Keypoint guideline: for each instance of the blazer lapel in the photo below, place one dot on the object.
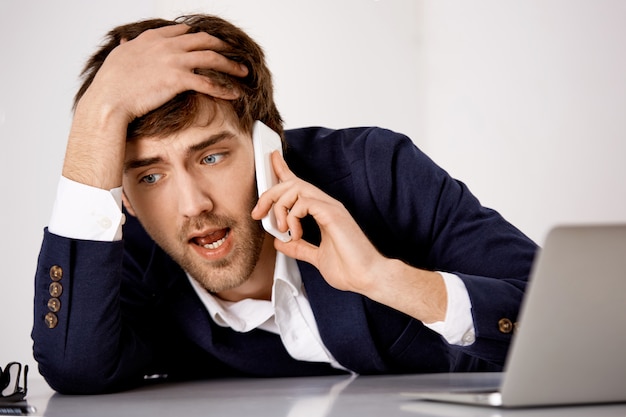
(342, 322)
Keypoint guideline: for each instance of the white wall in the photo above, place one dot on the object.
(526, 102)
(523, 100)
(43, 47)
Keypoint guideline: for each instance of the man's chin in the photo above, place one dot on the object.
(216, 282)
(216, 276)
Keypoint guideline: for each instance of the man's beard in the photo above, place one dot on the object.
(225, 273)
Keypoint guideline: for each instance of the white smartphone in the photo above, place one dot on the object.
(266, 141)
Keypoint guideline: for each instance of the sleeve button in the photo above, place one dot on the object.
(105, 223)
(51, 320)
(56, 273)
(468, 338)
(505, 326)
(55, 289)
(54, 305)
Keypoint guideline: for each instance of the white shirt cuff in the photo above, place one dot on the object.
(88, 213)
(458, 327)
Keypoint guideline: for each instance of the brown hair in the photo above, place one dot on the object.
(256, 101)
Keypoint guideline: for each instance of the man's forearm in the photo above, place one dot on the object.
(95, 149)
(418, 293)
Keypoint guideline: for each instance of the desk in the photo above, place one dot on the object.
(286, 397)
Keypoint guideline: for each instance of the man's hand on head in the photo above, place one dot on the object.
(138, 76)
(146, 72)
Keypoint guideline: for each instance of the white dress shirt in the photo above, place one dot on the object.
(288, 314)
(89, 213)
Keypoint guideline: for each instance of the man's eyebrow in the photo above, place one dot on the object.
(140, 163)
(212, 140)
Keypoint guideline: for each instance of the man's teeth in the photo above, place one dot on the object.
(215, 244)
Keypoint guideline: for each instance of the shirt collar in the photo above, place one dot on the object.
(286, 270)
(248, 314)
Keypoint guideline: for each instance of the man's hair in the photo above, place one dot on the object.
(256, 101)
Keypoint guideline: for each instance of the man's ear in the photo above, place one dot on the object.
(129, 207)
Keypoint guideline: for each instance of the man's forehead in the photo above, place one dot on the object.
(190, 109)
(193, 138)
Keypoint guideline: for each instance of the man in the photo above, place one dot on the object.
(393, 266)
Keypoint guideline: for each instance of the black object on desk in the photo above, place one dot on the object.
(12, 399)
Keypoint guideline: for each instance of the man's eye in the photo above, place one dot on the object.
(151, 178)
(213, 158)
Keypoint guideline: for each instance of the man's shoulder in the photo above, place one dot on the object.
(323, 138)
(315, 152)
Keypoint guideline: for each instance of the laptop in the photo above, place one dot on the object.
(570, 345)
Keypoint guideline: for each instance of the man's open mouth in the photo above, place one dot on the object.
(213, 240)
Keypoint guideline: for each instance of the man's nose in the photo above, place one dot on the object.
(193, 197)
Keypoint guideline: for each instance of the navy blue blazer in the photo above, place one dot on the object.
(126, 310)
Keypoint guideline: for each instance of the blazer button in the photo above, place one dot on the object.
(505, 325)
(54, 305)
(55, 289)
(56, 273)
(51, 320)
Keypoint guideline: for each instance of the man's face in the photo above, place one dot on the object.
(193, 193)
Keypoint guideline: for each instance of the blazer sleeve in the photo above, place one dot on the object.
(95, 321)
(434, 222)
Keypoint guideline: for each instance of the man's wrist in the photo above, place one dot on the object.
(458, 326)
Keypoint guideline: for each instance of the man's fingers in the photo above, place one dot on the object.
(298, 249)
(169, 31)
(281, 169)
(205, 85)
(200, 49)
(207, 59)
(198, 41)
(206, 49)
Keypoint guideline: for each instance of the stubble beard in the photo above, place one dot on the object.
(222, 274)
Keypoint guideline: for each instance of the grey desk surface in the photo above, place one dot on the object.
(362, 396)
